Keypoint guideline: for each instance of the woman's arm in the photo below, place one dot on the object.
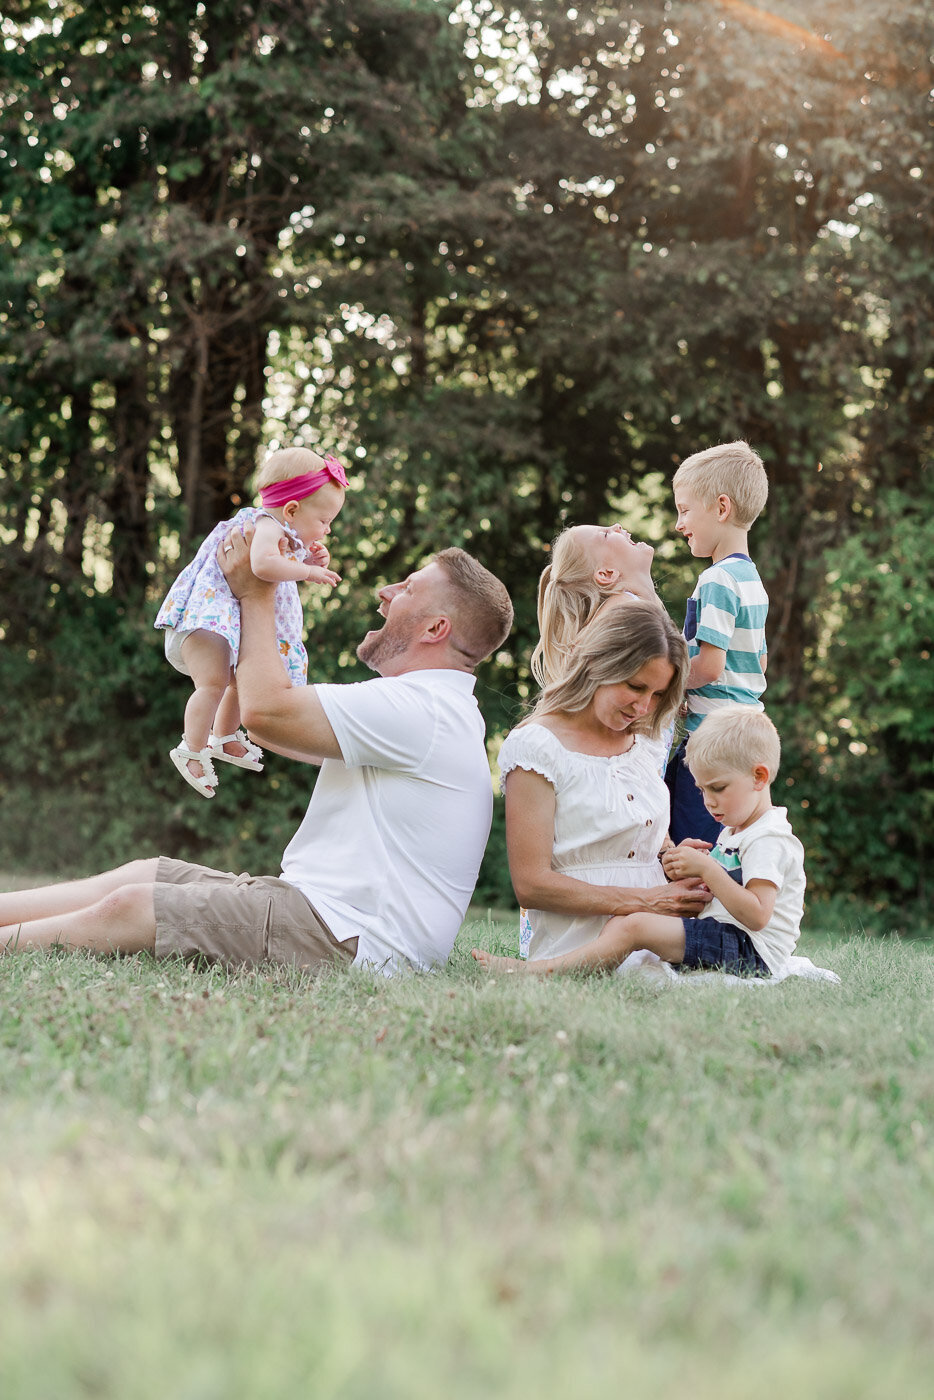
(269, 563)
(530, 836)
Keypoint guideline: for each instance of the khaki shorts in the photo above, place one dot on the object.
(240, 920)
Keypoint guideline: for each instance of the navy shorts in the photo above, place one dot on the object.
(711, 943)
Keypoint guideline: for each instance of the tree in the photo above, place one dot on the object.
(514, 263)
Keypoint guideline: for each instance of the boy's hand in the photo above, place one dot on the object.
(318, 575)
(686, 860)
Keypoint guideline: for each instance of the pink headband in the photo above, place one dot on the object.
(296, 488)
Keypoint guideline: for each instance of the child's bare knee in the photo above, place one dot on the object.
(633, 930)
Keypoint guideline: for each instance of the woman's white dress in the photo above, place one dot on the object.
(611, 817)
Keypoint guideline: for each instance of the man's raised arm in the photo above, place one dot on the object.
(288, 719)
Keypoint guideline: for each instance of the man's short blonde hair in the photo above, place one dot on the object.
(731, 469)
(734, 739)
(480, 607)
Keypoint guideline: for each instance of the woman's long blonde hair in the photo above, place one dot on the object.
(611, 649)
(568, 597)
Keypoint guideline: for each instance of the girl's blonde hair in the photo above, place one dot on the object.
(612, 649)
(568, 597)
(287, 462)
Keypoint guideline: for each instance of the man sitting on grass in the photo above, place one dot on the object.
(383, 865)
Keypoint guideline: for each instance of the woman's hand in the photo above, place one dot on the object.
(684, 899)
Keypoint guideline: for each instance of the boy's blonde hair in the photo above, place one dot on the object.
(731, 469)
(612, 649)
(568, 597)
(734, 739)
(287, 462)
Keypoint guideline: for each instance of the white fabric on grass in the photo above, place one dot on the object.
(649, 968)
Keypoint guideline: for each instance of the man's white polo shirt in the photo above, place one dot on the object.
(390, 847)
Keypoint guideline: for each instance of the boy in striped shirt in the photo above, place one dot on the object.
(718, 495)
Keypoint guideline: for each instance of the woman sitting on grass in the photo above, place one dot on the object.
(586, 807)
(592, 568)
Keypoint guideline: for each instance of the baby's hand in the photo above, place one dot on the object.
(318, 553)
(318, 575)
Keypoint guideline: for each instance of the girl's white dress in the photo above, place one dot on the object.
(201, 598)
(611, 817)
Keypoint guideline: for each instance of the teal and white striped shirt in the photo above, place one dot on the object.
(728, 609)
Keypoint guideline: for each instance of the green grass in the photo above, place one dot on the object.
(462, 1186)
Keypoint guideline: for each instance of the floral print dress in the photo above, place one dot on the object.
(200, 598)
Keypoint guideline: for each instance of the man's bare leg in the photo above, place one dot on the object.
(22, 906)
(107, 913)
(123, 921)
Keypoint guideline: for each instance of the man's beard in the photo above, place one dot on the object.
(377, 648)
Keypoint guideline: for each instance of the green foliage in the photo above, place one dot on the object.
(88, 783)
(867, 776)
(494, 888)
(513, 267)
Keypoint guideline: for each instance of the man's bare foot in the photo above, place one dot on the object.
(492, 963)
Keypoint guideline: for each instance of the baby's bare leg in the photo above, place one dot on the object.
(227, 719)
(207, 656)
(662, 934)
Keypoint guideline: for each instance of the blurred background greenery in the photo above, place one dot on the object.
(511, 264)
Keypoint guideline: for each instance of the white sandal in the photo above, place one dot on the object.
(252, 759)
(183, 755)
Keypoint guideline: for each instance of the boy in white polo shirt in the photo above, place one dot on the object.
(719, 493)
(756, 869)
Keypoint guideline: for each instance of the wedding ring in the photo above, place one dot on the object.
(228, 549)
